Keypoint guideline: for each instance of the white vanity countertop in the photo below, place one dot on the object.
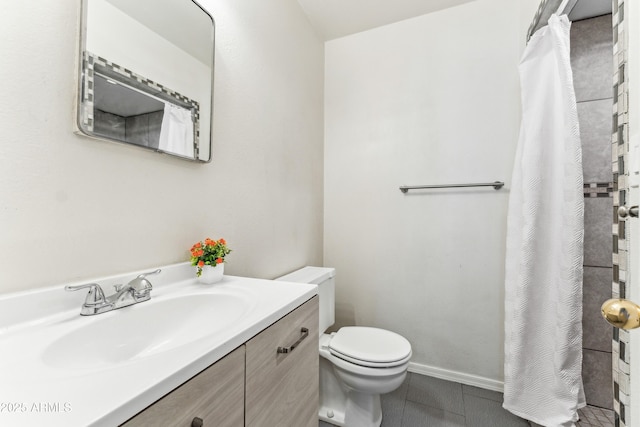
(38, 384)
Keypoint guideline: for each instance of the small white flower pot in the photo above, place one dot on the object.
(211, 275)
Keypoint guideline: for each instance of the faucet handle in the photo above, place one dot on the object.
(141, 286)
(95, 297)
(143, 275)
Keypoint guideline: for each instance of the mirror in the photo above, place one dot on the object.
(146, 75)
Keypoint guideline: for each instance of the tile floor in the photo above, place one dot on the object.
(596, 417)
(424, 401)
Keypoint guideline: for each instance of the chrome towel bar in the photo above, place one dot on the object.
(496, 185)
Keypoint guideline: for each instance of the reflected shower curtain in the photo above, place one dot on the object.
(176, 131)
(545, 229)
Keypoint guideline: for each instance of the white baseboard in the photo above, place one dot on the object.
(459, 377)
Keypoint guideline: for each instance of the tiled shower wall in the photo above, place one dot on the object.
(591, 60)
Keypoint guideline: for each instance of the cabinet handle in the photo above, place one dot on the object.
(197, 422)
(285, 350)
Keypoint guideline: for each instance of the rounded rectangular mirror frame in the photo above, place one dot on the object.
(194, 145)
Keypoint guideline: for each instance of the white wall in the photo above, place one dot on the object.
(72, 208)
(433, 99)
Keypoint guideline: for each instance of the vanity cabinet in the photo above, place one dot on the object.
(215, 397)
(282, 387)
(270, 381)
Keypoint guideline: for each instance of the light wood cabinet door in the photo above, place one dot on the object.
(215, 396)
(282, 388)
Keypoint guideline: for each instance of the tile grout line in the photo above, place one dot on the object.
(404, 400)
(464, 404)
(599, 351)
(593, 100)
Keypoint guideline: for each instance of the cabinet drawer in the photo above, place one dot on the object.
(215, 396)
(282, 388)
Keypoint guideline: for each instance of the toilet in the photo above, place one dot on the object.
(357, 363)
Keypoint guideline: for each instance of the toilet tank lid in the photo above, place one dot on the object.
(312, 275)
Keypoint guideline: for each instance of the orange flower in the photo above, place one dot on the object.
(200, 253)
(201, 264)
(222, 241)
(208, 241)
(219, 261)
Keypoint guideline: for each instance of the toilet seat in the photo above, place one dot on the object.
(370, 347)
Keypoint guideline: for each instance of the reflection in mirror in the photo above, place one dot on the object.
(146, 75)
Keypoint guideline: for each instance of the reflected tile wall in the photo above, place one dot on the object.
(144, 129)
(109, 125)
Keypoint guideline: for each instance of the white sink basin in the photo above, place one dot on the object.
(144, 329)
(108, 367)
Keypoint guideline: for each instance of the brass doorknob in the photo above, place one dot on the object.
(621, 313)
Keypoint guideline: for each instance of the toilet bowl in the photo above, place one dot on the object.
(357, 363)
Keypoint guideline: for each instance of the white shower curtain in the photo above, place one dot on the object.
(545, 229)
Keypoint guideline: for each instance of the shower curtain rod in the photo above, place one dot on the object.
(496, 185)
(548, 8)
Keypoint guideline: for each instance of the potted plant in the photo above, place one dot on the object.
(208, 256)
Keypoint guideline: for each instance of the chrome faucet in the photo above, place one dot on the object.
(137, 290)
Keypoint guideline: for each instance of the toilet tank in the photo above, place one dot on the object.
(324, 277)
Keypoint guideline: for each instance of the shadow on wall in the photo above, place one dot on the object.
(345, 316)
